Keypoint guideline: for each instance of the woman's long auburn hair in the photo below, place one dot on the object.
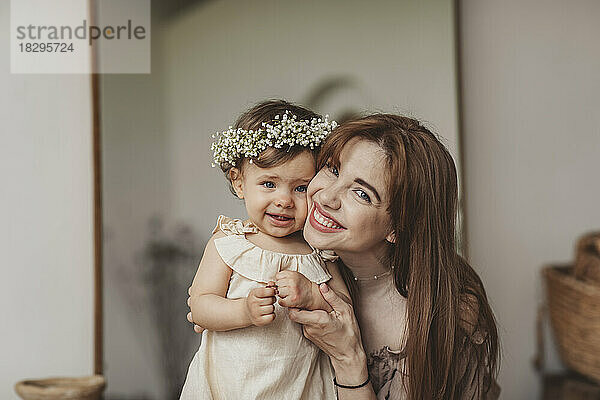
(446, 302)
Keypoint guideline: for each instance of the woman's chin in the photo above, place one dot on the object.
(311, 236)
(317, 239)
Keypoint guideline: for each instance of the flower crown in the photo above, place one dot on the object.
(233, 144)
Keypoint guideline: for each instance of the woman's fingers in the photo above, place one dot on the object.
(189, 317)
(189, 302)
(305, 317)
(336, 302)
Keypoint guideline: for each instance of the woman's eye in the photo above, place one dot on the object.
(268, 185)
(363, 195)
(333, 169)
(301, 189)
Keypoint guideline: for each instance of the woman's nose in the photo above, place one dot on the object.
(329, 196)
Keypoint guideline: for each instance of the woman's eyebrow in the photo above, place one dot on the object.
(371, 188)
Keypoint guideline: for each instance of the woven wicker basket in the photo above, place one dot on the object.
(84, 388)
(574, 308)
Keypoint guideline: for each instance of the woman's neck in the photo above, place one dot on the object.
(365, 265)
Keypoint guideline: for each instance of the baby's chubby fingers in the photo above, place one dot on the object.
(197, 328)
(265, 301)
(269, 309)
(263, 292)
(283, 291)
(281, 275)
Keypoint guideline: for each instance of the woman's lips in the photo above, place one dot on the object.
(280, 220)
(322, 222)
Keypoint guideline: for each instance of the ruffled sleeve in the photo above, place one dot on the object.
(230, 226)
(328, 255)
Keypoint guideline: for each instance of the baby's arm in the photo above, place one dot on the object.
(212, 310)
(295, 290)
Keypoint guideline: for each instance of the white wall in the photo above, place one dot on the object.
(532, 154)
(46, 290)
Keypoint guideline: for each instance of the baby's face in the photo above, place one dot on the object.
(276, 197)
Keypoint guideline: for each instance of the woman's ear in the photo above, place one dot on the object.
(391, 237)
(235, 175)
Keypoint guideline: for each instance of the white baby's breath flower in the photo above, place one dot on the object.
(233, 144)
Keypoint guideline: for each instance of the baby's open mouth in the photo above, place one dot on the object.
(280, 217)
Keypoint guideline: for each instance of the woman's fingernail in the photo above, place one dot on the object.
(324, 288)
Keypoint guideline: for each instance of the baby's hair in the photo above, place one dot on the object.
(265, 112)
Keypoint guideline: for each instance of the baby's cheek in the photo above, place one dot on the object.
(303, 212)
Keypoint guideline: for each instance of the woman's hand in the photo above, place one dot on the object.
(337, 334)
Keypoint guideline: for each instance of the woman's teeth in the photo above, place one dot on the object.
(324, 220)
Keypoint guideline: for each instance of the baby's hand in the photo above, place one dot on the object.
(294, 289)
(259, 305)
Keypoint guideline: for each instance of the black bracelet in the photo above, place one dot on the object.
(352, 387)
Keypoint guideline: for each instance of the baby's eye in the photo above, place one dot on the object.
(301, 189)
(268, 185)
(363, 195)
(332, 169)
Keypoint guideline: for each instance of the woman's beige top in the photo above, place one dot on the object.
(274, 361)
(381, 314)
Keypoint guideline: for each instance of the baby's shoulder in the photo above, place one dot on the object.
(217, 235)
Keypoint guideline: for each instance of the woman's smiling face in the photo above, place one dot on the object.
(348, 202)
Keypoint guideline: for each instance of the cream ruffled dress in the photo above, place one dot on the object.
(274, 361)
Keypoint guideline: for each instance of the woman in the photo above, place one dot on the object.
(426, 328)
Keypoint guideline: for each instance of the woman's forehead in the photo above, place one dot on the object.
(365, 160)
(362, 154)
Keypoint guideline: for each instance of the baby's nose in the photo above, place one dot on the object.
(284, 200)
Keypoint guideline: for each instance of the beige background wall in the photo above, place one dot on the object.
(531, 95)
(46, 212)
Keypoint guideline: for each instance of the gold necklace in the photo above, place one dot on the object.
(375, 277)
